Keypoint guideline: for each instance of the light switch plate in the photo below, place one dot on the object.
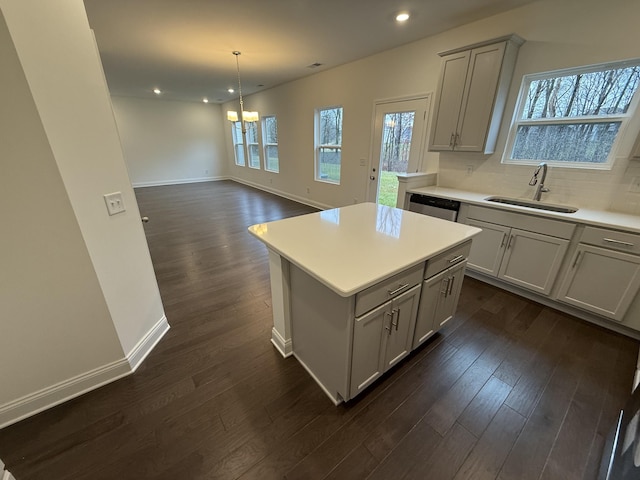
(114, 202)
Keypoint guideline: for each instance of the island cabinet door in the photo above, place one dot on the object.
(404, 310)
(381, 338)
(369, 340)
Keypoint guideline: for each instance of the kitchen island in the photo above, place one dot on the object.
(346, 288)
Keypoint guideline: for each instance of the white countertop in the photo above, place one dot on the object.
(598, 218)
(351, 248)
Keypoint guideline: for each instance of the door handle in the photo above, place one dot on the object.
(451, 285)
(397, 313)
(388, 328)
(445, 283)
(451, 140)
(510, 241)
(504, 238)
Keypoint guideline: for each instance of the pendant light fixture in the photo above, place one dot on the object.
(244, 115)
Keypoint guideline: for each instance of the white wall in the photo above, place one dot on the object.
(168, 142)
(558, 34)
(81, 290)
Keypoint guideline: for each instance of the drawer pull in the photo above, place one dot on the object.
(397, 290)
(618, 242)
(456, 259)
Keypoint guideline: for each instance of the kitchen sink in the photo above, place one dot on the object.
(532, 204)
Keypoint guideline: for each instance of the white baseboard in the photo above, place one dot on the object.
(177, 181)
(285, 347)
(53, 395)
(148, 342)
(288, 196)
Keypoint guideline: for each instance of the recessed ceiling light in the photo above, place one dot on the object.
(157, 91)
(402, 17)
(205, 100)
(231, 90)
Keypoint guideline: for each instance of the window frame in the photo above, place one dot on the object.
(234, 136)
(625, 118)
(266, 144)
(318, 146)
(256, 143)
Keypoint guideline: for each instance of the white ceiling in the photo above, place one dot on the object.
(184, 47)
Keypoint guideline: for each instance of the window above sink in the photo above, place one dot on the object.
(573, 117)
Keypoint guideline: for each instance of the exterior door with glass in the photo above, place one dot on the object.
(398, 143)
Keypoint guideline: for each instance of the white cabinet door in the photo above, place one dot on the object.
(404, 310)
(601, 281)
(532, 260)
(479, 97)
(382, 338)
(369, 341)
(438, 302)
(447, 107)
(488, 247)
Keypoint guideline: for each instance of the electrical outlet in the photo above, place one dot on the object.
(115, 203)
(469, 169)
(635, 185)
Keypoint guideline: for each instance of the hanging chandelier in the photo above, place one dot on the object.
(245, 116)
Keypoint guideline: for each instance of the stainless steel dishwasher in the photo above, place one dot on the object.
(434, 206)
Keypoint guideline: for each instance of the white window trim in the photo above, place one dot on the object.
(235, 150)
(265, 144)
(318, 146)
(247, 150)
(625, 119)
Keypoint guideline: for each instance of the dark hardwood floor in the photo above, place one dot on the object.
(509, 389)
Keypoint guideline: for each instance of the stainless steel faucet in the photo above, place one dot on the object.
(541, 188)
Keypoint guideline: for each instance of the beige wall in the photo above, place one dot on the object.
(167, 142)
(80, 292)
(558, 34)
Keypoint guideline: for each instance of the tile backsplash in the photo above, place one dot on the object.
(594, 189)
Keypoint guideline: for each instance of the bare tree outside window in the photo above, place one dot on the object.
(573, 117)
(238, 146)
(270, 141)
(329, 144)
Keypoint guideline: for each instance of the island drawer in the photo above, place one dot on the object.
(603, 237)
(447, 259)
(387, 289)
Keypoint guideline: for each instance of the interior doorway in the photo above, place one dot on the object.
(398, 144)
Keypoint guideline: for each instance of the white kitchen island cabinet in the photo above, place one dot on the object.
(346, 286)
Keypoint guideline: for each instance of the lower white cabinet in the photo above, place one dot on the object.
(382, 337)
(601, 280)
(438, 302)
(528, 259)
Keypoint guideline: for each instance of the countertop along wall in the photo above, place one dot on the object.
(558, 34)
(168, 142)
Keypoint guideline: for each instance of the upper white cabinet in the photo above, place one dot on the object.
(472, 91)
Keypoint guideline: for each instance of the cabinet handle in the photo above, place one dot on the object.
(456, 259)
(451, 140)
(397, 314)
(577, 260)
(504, 239)
(388, 328)
(451, 285)
(510, 241)
(444, 290)
(456, 140)
(397, 290)
(618, 242)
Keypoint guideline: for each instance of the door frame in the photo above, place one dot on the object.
(423, 143)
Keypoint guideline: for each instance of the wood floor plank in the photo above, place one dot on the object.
(479, 413)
